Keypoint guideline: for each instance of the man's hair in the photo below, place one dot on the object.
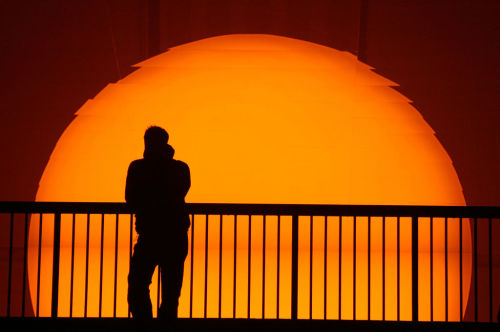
(155, 136)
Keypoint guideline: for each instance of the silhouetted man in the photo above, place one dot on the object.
(155, 190)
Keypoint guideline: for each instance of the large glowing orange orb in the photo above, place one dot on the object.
(259, 119)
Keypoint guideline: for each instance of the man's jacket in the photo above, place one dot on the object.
(155, 190)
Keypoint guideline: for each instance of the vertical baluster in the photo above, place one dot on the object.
(101, 265)
(39, 267)
(354, 268)
(131, 232)
(278, 263)
(369, 266)
(461, 270)
(490, 269)
(55, 264)
(249, 262)
(220, 265)
(25, 265)
(414, 268)
(475, 272)
(295, 255)
(72, 265)
(340, 267)
(11, 247)
(87, 267)
(191, 276)
(383, 268)
(263, 267)
(206, 267)
(116, 267)
(446, 267)
(432, 268)
(398, 269)
(310, 265)
(325, 248)
(235, 247)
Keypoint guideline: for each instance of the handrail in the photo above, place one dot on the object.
(264, 209)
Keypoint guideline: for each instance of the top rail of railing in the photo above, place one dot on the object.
(264, 209)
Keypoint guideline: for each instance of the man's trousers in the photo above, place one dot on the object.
(169, 254)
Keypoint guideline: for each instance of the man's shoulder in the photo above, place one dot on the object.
(136, 164)
(139, 164)
(180, 163)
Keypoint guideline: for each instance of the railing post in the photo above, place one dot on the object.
(55, 264)
(295, 263)
(414, 268)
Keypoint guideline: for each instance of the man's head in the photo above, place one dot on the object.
(155, 137)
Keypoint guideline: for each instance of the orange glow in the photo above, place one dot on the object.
(259, 119)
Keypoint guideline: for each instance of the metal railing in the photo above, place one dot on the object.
(315, 261)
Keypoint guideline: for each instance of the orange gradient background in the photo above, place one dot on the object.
(259, 119)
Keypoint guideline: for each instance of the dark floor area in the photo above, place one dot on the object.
(237, 325)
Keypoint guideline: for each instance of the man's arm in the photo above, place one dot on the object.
(185, 179)
(131, 186)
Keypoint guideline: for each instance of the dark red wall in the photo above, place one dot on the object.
(444, 55)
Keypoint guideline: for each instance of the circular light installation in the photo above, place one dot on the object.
(259, 119)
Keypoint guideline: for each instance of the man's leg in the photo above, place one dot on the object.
(172, 271)
(142, 266)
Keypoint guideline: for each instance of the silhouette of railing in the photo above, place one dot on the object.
(299, 222)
